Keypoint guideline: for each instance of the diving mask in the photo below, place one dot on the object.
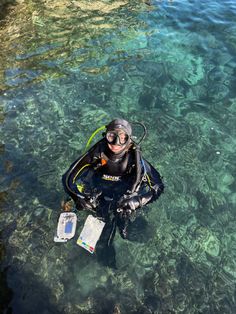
(119, 138)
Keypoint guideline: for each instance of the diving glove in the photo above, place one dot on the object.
(128, 205)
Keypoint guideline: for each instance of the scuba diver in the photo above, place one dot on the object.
(112, 179)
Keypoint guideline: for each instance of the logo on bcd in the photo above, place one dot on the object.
(110, 178)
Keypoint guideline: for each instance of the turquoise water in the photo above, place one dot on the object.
(68, 67)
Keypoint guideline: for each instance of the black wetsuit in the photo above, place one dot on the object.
(114, 176)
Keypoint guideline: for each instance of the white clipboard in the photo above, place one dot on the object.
(90, 233)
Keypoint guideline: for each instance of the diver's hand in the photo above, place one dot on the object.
(129, 206)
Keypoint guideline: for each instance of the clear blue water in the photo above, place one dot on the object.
(68, 67)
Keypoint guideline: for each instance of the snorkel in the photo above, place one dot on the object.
(102, 128)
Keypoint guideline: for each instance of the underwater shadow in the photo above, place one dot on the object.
(5, 7)
(25, 294)
(140, 230)
(5, 292)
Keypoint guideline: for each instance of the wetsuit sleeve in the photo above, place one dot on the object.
(152, 186)
(69, 177)
(82, 163)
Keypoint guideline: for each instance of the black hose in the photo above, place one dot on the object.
(138, 168)
(144, 131)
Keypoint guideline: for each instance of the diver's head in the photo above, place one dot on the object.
(118, 135)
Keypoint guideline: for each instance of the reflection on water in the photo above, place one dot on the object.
(54, 38)
(68, 67)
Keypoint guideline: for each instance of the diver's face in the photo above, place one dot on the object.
(116, 148)
(117, 140)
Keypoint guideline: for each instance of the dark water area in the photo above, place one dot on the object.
(68, 67)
